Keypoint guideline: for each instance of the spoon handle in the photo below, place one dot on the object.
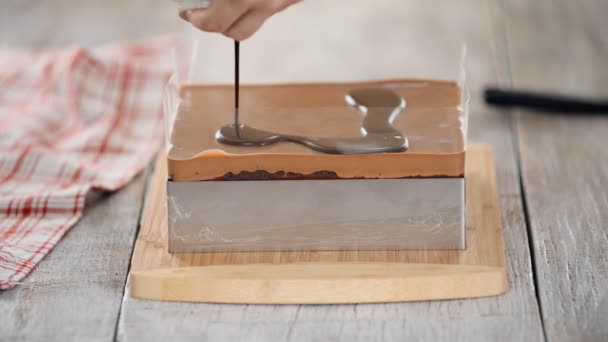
(543, 102)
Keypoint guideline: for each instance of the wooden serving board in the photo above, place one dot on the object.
(327, 277)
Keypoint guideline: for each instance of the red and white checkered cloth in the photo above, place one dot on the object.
(71, 120)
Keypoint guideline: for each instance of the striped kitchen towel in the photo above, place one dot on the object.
(71, 120)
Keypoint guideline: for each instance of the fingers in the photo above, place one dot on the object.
(219, 17)
(237, 19)
(247, 24)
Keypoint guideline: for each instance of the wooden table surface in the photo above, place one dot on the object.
(552, 181)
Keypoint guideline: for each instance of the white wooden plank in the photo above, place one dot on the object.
(514, 316)
(562, 46)
(87, 22)
(75, 292)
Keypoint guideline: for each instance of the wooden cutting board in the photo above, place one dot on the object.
(327, 277)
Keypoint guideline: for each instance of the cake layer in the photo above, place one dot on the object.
(432, 123)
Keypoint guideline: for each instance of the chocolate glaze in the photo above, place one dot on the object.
(380, 106)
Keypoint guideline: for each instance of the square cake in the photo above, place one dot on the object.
(290, 197)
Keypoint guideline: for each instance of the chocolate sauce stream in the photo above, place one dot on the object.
(236, 86)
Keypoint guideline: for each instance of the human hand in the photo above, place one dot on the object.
(237, 19)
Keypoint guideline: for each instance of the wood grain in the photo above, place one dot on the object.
(561, 46)
(514, 316)
(318, 283)
(75, 292)
(57, 23)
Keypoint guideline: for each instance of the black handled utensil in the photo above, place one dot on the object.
(544, 102)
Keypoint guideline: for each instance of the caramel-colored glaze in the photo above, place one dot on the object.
(431, 122)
